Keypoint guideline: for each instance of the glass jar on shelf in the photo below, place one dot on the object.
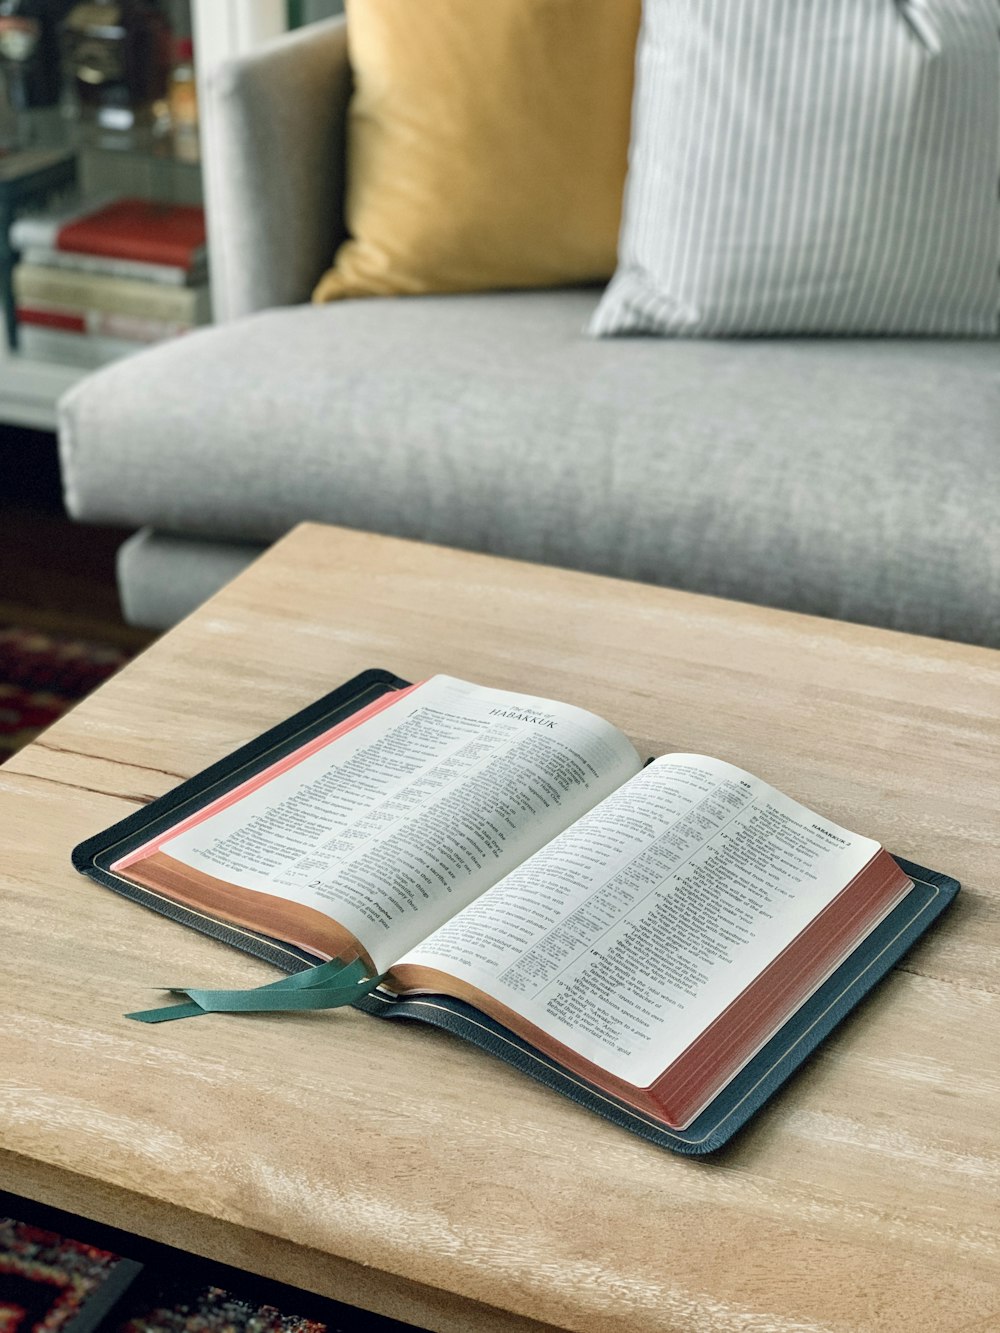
(29, 67)
(115, 62)
(175, 117)
(182, 103)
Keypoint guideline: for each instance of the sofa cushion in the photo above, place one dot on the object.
(851, 478)
(163, 577)
(823, 168)
(487, 144)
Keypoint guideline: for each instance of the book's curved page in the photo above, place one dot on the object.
(379, 831)
(94, 857)
(759, 1080)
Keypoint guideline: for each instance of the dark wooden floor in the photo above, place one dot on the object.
(55, 574)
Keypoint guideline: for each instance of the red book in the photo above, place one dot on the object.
(65, 320)
(139, 229)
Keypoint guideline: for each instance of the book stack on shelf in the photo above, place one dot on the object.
(108, 278)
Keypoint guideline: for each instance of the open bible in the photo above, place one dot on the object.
(644, 930)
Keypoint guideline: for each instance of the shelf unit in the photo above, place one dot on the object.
(223, 29)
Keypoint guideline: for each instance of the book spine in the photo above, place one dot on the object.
(101, 322)
(141, 249)
(42, 229)
(74, 349)
(27, 232)
(52, 317)
(35, 284)
(167, 274)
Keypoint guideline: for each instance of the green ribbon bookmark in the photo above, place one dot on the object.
(324, 987)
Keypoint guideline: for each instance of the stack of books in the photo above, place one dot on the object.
(103, 280)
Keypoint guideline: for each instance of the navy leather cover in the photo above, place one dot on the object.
(765, 1073)
(733, 1107)
(94, 857)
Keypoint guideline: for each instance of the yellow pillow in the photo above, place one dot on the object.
(487, 144)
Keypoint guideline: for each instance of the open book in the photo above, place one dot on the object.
(645, 928)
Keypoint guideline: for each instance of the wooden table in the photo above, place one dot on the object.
(399, 1170)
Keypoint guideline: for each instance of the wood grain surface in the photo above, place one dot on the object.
(403, 1171)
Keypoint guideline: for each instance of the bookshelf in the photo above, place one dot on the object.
(222, 29)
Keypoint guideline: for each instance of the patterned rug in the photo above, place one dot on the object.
(45, 1281)
(51, 1284)
(48, 1282)
(214, 1310)
(41, 676)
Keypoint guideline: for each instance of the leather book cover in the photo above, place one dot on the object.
(139, 229)
(758, 1080)
(94, 856)
(739, 1100)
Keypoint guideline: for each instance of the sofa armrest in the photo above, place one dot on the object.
(275, 168)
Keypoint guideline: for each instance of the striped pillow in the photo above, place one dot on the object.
(804, 167)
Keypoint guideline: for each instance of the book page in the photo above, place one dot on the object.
(629, 934)
(401, 822)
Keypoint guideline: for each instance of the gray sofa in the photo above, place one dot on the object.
(851, 478)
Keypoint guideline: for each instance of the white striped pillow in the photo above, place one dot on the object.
(808, 167)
